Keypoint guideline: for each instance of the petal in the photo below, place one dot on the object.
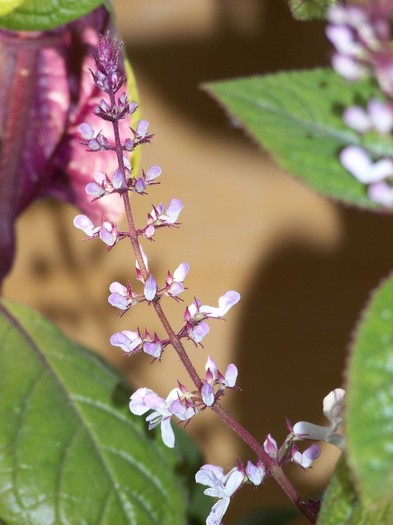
(85, 224)
(167, 434)
(255, 473)
(231, 375)
(234, 481)
(333, 404)
(137, 401)
(381, 193)
(357, 119)
(153, 349)
(225, 302)
(152, 173)
(381, 115)
(207, 393)
(150, 288)
(218, 511)
(128, 341)
(118, 301)
(305, 430)
(181, 272)
(212, 366)
(198, 333)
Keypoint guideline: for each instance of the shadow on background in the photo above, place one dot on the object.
(297, 325)
(178, 68)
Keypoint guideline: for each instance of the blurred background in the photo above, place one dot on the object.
(304, 266)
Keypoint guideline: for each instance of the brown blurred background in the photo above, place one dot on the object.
(304, 266)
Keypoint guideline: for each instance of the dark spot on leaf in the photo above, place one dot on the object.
(121, 394)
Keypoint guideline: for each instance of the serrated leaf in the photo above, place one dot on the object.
(297, 116)
(340, 498)
(70, 450)
(369, 403)
(6, 6)
(341, 504)
(310, 9)
(41, 15)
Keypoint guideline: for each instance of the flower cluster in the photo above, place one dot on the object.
(361, 36)
(224, 486)
(181, 403)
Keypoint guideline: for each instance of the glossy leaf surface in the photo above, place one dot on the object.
(369, 415)
(70, 450)
(298, 117)
(40, 15)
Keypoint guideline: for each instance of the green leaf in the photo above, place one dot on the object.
(268, 516)
(70, 450)
(6, 6)
(310, 9)
(341, 504)
(40, 15)
(369, 403)
(340, 498)
(297, 116)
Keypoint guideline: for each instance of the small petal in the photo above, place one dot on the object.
(85, 224)
(225, 302)
(137, 401)
(128, 341)
(207, 393)
(218, 511)
(153, 173)
(357, 119)
(231, 375)
(181, 272)
(108, 234)
(333, 404)
(167, 434)
(381, 115)
(381, 193)
(142, 128)
(255, 473)
(198, 332)
(306, 430)
(153, 349)
(86, 130)
(150, 288)
(359, 164)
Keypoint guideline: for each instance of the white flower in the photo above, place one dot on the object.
(333, 405)
(144, 399)
(221, 486)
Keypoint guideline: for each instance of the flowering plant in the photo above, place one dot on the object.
(91, 443)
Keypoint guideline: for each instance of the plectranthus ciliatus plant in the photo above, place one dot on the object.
(182, 403)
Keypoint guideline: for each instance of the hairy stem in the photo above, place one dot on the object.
(270, 465)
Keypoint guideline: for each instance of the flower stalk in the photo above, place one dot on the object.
(180, 402)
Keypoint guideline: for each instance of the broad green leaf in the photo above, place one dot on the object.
(369, 403)
(268, 516)
(40, 15)
(297, 116)
(341, 504)
(70, 450)
(340, 498)
(310, 9)
(6, 6)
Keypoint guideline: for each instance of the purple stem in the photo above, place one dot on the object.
(271, 466)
